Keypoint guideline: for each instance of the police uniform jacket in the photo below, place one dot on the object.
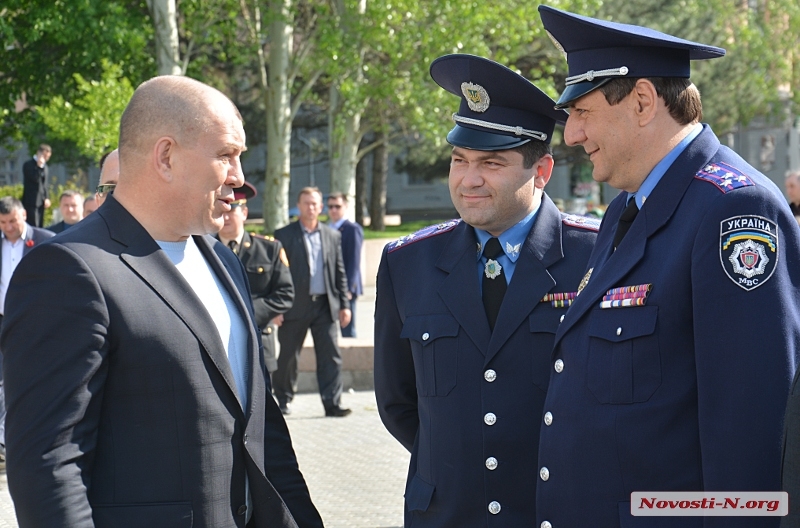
(686, 392)
(270, 286)
(465, 401)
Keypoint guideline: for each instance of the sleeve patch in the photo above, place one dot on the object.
(582, 222)
(425, 232)
(725, 177)
(748, 250)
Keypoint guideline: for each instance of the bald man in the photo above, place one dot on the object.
(109, 176)
(136, 395)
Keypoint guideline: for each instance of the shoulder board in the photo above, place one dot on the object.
(425, 232)
(725, 177)
(584, 222)
(262, 237)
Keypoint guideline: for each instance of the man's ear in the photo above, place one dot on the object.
(645, 98)
(164, 152)
(542, 171)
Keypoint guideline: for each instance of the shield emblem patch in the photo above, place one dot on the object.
(748, 250)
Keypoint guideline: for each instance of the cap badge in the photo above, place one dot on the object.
(476, 95)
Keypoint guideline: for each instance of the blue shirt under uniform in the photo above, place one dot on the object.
(511, 241)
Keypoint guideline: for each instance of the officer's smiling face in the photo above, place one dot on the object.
(491, 190)
(607, 135)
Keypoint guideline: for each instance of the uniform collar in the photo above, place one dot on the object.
(661, 168)
(511, 239)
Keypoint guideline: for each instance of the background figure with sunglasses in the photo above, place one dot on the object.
(109, 176)
(267, 269)
(352, 240)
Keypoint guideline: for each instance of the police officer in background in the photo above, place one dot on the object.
(267, 270)
(672, 367)
(466, 311)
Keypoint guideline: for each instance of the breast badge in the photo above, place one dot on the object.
(748, 250)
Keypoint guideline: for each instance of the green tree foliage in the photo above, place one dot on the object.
(46, 42)
(91, 120)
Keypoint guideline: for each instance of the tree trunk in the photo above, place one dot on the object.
(279, 118)
(164, 15)
(343, 140)
(380, 173)
(360, 203)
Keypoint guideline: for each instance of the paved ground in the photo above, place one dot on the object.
(354, 469)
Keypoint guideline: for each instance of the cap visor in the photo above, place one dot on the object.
(576, 91)
(479, 140)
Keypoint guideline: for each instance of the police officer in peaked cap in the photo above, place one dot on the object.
(467, 310)
(672, 367)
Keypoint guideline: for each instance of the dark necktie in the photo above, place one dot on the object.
(494, 281)
(625, 220)
(234, 246)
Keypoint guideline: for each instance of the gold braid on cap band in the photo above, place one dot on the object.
(591, 75)
(519, 131)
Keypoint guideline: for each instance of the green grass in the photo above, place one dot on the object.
(406, 228)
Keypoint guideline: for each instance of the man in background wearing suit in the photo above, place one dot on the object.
(267, 270)
(135, 383)
(352, 240)
(34, 185)
(70, 205)
(320, 299)
(18, 239)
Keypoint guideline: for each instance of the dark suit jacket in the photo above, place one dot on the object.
(122, 407)
(34, 184)
(59, 227)
(291, 236)
(352, 240)
(33, 236)
(271, 287)
(439, 369)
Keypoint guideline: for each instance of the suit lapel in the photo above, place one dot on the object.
(152, 265)
(610, 268)
(236, 290)
(460, 291)
(531, 280)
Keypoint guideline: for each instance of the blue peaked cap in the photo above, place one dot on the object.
(500, 109)
(598, 51)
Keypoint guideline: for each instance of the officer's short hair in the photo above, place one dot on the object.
(533, 151)
(681, 97)
(9, 204)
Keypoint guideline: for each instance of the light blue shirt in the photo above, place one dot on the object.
(511, 240)
(660, 169)
(313, 242)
